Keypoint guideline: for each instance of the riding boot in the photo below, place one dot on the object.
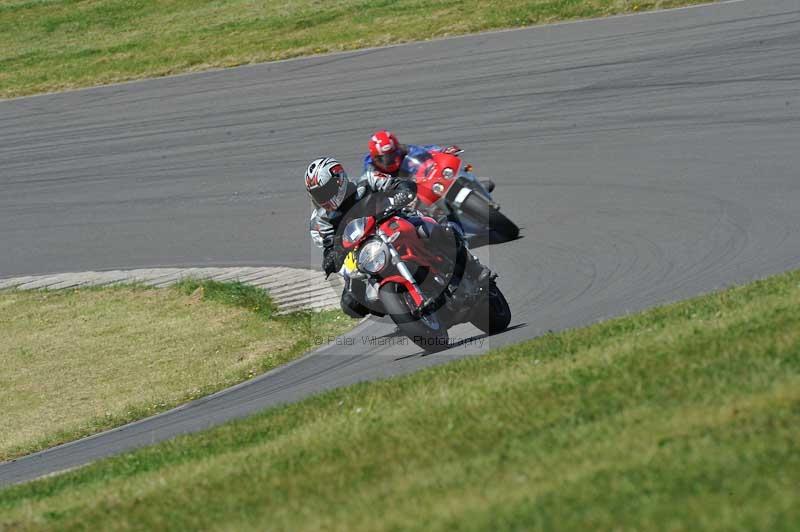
(476, 270)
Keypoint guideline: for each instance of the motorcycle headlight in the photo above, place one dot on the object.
(373, 256)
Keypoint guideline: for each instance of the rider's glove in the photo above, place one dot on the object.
(329, 263)
(401, 199)
(452, 150)
(381, 180)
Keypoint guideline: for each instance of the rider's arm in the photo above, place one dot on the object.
(368, 163)
(401, 190)
(321, 229)
(323, 235)
(430, 147)
(452, 149)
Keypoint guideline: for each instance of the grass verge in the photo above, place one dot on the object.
(52, 45)
(684, 417)
(76, 362)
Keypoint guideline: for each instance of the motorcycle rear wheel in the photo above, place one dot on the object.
(478, 208)
(428, 332)
(495, 315)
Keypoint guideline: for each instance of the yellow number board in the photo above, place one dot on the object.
(350, 264)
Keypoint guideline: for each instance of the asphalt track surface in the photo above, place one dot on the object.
(648, 158)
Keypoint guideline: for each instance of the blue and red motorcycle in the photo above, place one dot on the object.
(446, 188)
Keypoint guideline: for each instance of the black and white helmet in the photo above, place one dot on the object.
(326, 183)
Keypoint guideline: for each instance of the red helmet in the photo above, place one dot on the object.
(385, 151)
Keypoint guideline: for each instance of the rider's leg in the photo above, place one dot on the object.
(451, 232)
(488, 184)
(483, 182)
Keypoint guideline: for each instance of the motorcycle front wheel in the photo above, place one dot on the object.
(427, 332)
(479, 209)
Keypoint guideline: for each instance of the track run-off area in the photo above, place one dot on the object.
(648, 158)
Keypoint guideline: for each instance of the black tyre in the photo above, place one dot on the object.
(493, 315)
(354, 302)
(352, 307)
(427, 332)
(478, 208)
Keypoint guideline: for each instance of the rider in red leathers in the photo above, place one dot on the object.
(387, 155)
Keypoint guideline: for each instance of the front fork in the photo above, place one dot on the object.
(402, 269)
(405, 277)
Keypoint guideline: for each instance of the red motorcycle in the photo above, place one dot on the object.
(422, 275)
(446, 187)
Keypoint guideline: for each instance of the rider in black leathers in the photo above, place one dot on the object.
(334, 196)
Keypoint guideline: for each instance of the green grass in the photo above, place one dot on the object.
(234, 294)
(685, 417)
(76, 362)
(51, 45)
